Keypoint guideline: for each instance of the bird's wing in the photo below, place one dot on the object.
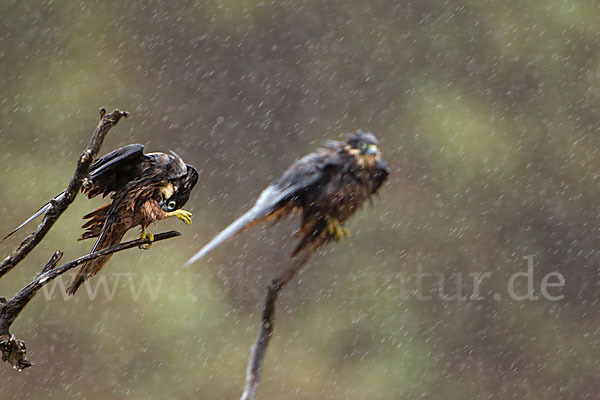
(303, 174)
(126, 203)
(107, 174)
(381, 174)
(114, 170)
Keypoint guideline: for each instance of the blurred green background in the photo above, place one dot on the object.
(488, 115)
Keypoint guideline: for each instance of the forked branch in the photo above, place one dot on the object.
(13, 350)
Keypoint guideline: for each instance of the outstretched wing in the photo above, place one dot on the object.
(107, 174)
(278, 199)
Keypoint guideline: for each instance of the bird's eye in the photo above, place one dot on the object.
(172, 204)
(362, 145)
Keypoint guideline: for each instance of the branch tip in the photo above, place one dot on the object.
(51, 264)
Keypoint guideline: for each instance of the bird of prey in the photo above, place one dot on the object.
(326, 187)
(144, 188)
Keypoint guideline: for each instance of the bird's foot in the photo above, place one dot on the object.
(183, 215)
(336, 230)
(145, 235)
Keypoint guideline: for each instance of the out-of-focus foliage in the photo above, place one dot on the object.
(488, 116)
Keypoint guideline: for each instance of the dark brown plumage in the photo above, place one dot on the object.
(144, 188)
(327, 187)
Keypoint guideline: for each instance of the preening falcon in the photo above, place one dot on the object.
(144, 188)
(326, 187)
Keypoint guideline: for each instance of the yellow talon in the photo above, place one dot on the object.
(145, 235)
(183, 215)
(337, 230)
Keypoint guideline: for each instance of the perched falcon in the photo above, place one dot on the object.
(326, 187)
(144, 188)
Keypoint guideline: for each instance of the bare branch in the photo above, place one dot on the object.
(13, 350)
(107, 121)
(259, 349)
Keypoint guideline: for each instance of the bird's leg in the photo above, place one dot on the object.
(145, 235)
(183, 215)
(336, 230)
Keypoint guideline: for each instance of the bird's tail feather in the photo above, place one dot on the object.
(268, 207)
(252, 217)
(112, 236)
(96, 220)
(39, 212)
(88, 270)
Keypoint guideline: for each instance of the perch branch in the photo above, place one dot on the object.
(13, 350)
(265, 332)
(107, 121)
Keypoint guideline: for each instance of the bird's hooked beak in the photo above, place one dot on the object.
(372, 150)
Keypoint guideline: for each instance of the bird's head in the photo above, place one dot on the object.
(364, 147)
(182, 188)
